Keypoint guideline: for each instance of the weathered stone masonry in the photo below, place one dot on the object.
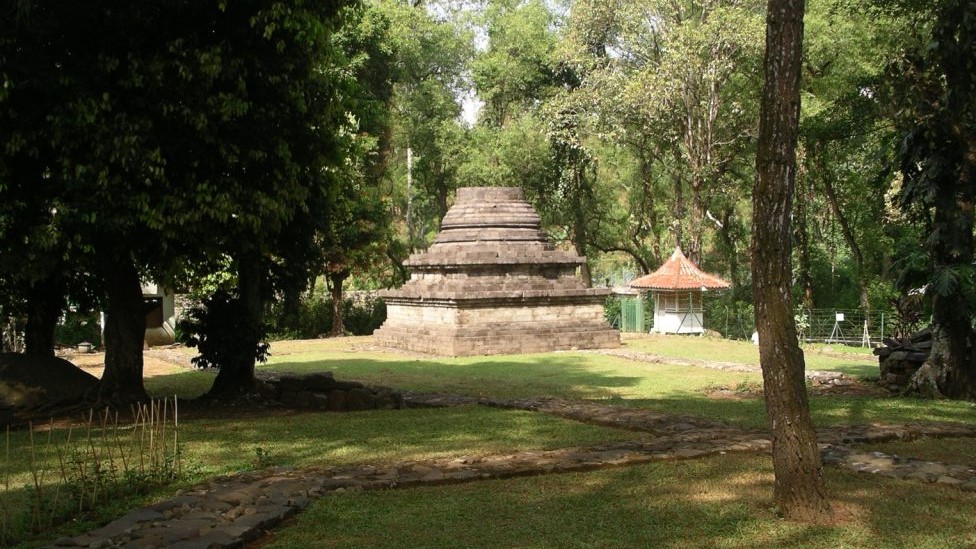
(492, 283)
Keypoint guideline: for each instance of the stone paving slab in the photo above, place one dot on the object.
(231, 511)
(893, 466)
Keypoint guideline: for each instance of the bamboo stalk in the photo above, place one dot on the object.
(118, 443)
(162, 433)
(6, 487)
(176, 437)
(35, 504)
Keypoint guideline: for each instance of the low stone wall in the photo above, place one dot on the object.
(321, 391)
(899, 359)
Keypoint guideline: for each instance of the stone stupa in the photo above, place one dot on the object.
(492, 283)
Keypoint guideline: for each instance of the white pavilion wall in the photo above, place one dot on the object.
(678, 313)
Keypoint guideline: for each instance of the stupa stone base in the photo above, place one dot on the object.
(492, 283)
(465, 329)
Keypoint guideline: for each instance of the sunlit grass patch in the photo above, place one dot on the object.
(854, 361)
(722, 501)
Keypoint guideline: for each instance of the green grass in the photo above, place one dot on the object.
(382, 436)
(663, 387)
(224, 445)
(854, 361)
(187, 384)
(715, 502)
(227, 445)
(721, 502)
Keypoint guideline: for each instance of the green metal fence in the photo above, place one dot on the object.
(634, 315)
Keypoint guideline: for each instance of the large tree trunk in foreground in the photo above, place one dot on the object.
(951, 369)
(237, 378)
(45, 303)
(336, 280)
(125, 332)
(799, 490)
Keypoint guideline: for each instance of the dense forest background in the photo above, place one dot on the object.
(631, 125)
(632, 128)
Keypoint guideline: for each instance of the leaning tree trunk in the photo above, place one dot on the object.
(236, 378)
(799, 489)
(848, 234)
(45, 303)
(336, 280)
(125, 332)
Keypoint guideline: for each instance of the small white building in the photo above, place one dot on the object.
(677, 288)
(160, 314)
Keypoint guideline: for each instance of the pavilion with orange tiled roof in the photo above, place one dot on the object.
(677, 288)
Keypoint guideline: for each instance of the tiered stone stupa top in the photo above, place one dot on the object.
(492, 283)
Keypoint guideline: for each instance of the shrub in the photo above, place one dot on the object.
(77, 327)
(362, 313)
(222, 332)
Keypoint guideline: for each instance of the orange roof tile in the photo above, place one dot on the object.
(679, 273)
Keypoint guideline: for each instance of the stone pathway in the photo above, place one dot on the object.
(231, 511)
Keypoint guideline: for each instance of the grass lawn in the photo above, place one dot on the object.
(664, 387)
(227, 445)
(854, 361)
(722, 501)
(715, 502)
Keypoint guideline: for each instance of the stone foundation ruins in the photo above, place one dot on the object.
(492, 283)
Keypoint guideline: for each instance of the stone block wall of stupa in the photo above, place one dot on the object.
(492, 283)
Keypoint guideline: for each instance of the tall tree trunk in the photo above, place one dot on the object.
(291, 306)
(729, 243)
(336, 280)
(45, 303)
(950, 370)
(847, 233)
(799, 488)
(801, 236)
(696, 217)
(678, 211)
(237, 378)
(951, 367)
(125, 331)
(580, 236)
(579, 244)
(442, 192)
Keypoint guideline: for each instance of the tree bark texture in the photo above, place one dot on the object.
(799, 489)
(336, 279)
(801, 235)
(125, 332)
(45, 303)
(237, 378)
(951, 368)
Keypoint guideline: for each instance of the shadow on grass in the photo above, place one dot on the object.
(717, 502)
(383, 436)
(677, 390)
(825, 410)
(567, 376)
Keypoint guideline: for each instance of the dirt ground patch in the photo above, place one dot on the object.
(156, 362)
